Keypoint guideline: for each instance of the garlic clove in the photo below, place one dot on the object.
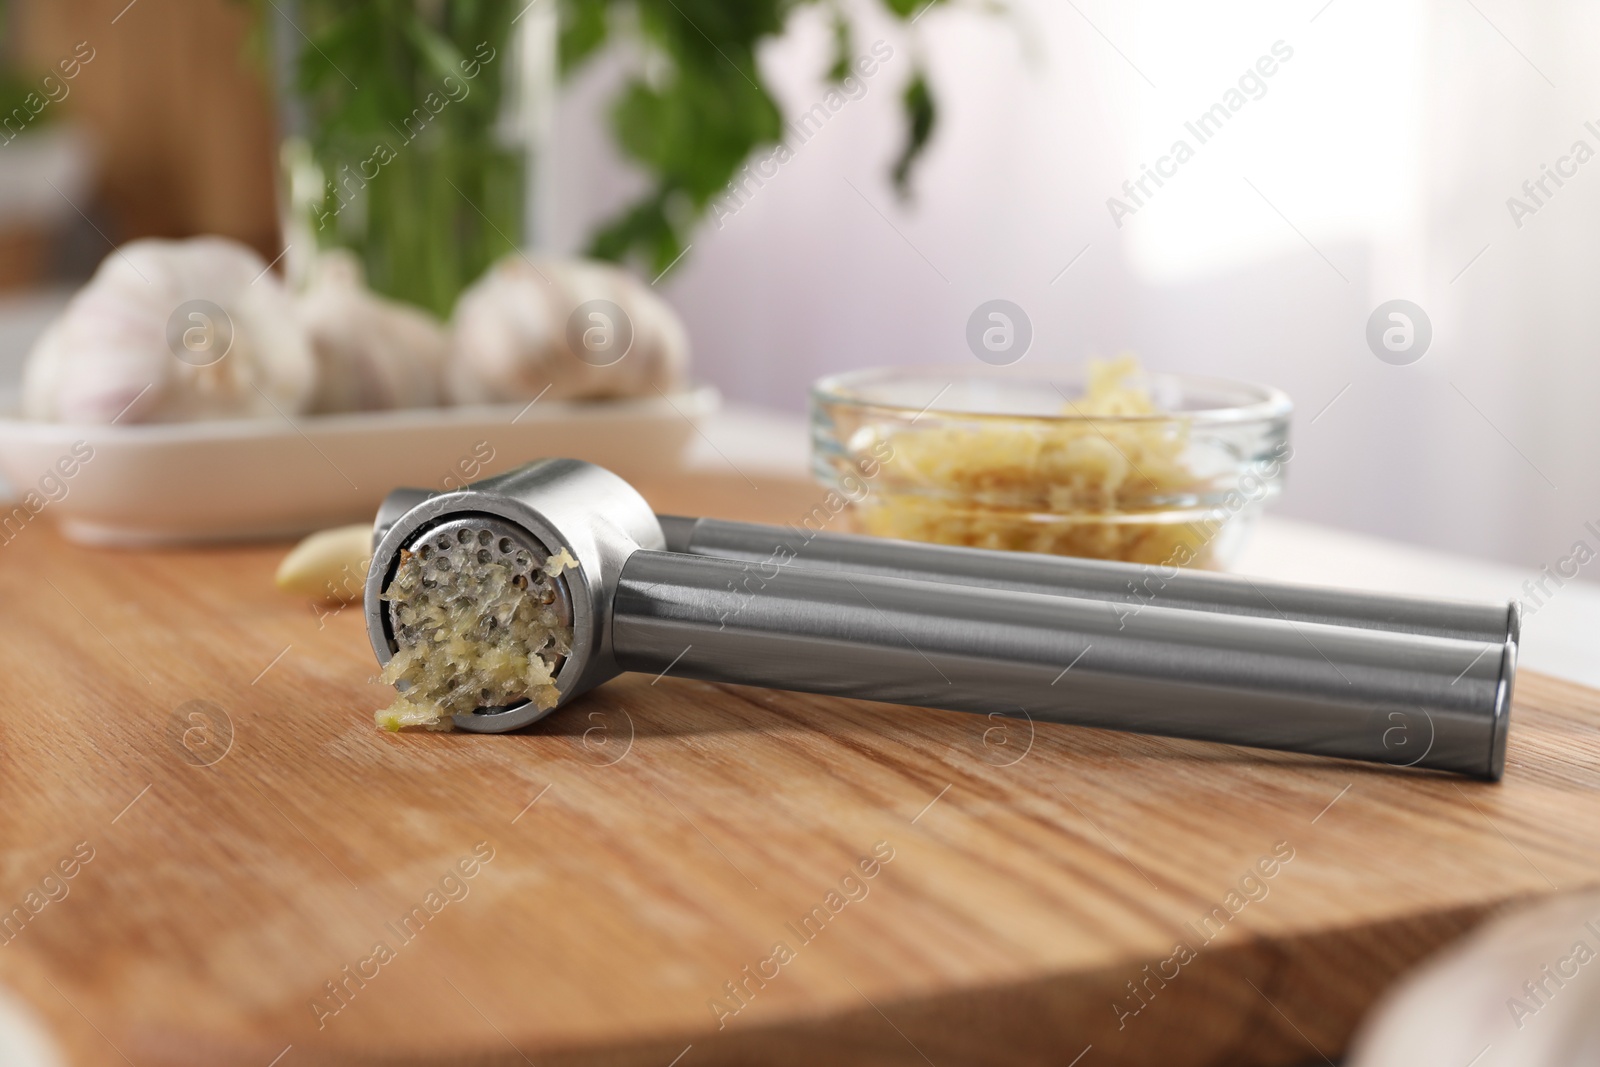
(330, 565)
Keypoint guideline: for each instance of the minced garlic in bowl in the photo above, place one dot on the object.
(1112, 464)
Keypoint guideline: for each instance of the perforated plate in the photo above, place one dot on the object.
(465, 542)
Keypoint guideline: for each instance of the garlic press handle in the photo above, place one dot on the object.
(1385, 697)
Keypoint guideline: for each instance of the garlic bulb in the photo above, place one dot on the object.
(172, 331)
(372, 354)
(565, 329)
(1522, 989)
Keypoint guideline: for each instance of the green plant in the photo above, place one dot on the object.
(402, 105)
(693, 123)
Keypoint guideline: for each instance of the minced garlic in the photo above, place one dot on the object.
(476, 625)
(1090, 484)
(561, 561)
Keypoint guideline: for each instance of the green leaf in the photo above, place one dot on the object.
(917, 102)
(441, 57)
(582, 30)
(907, 8)
(646, 228)
(843, 48)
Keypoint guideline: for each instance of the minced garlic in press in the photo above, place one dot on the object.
(477, 623)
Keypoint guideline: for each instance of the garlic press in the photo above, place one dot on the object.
(1386, 679)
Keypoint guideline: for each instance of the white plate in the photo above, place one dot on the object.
(260, 478)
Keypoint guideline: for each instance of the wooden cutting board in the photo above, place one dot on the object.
(674, 872)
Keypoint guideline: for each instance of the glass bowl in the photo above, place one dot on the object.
(1002, 457)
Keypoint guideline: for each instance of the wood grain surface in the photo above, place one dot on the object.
(263, 877)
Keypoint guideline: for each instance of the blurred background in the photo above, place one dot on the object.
(1378, 161)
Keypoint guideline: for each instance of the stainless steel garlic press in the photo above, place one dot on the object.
(1387, 679)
